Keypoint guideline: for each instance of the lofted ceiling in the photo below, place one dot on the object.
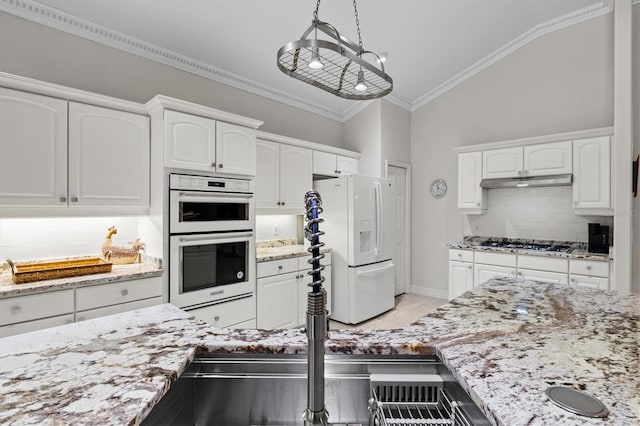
(431, 44)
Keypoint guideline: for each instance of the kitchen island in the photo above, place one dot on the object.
(505, 341)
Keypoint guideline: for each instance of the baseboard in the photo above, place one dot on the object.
(430, 292)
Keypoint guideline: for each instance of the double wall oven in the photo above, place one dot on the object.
(211, 240)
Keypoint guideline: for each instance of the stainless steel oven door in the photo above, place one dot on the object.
(196, 211)
(205, 268)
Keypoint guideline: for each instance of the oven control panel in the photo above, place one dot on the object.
(205, 183)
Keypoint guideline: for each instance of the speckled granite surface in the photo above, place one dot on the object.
(118, 273)
(578, 250)
(506, 342)
(267, 253)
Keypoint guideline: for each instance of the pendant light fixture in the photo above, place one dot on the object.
(335, 63)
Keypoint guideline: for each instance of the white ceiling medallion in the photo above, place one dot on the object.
(36, 12)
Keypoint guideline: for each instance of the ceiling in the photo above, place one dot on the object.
(431, 44)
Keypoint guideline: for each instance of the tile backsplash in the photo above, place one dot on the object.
(279, 227)
(532, 213)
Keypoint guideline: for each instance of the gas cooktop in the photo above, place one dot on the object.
(525, 246)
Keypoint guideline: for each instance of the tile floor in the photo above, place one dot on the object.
(409, 307)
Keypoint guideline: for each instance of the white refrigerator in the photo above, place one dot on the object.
(358, 229)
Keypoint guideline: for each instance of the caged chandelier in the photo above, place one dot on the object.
(336, 64)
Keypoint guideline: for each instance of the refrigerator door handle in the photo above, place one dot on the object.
(374, 271)
(378, 196)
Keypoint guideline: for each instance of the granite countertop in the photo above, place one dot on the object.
(506, 341)
(578, 250)
(282, 249)
(131, 271)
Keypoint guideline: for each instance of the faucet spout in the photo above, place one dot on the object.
(315, 413)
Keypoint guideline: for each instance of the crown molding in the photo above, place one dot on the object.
(602, 8)
(62, 21)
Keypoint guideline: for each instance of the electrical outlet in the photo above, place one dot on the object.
(275, 231)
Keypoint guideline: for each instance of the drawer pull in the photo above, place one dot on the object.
(279, 266)
(74, 199)
(124, 292)
(15, 310)
(588, 267)
(215, 293)
(63, 199)
(213, 164)
(220, 166)
(216, 318)
(459, 254)
(470, 267)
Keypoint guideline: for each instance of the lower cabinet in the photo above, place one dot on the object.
(282, 291)
(120, 292)
(460, 272)
(117, 309)
(239, 313)
(546, 276)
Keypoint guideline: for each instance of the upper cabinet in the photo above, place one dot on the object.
(198, 143)
(283, 177)
(69, 154)
(592, 175)
(531, 160)
(471, 197)
(328, 164)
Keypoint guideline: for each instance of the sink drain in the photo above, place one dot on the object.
(577, 402)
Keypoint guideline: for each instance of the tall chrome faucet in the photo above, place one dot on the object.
(315, 413)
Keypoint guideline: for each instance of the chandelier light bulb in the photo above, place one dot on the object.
(315, 63)
(360, 85)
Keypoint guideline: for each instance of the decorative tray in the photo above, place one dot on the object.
(26, 272)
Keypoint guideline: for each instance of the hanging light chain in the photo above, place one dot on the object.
(315, 12)
(355, 12)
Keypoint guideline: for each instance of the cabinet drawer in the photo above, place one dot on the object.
(582, 281)
(25, 327)
(501, 259)
(117, 309)
(589, 267)
(545, 276)
(461, 255)
(35, 306)
(245, 324)
(228, 313)
(276, 267)
(553, 264)
(102, 295)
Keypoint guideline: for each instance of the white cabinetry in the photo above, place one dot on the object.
(28, 313)
(589, 274)
(530, 160)
(492, 265)
(108, 157)
(284, 175)
(328, 164)
(239, 313)
(281, 291)
(592, 175)
(106, 299)
(198, 143)
(460, 272)
(471, 197)
(540, 268)
(86, 156)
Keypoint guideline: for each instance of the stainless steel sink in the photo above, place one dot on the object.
(252, 389)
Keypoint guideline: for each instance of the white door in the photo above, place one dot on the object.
(267, 182)
(502, 163)
(482, 273)
(189, 142)
(548, 159)
(108, 157)
(277, 301)
(592, 173)
(324, 164)
(33, 149)
(398, 176)
(295, 176)
(235, 149)
(460, 278)
(469, 177)
(370, 291)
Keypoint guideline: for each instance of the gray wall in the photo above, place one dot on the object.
(42, 53)
(395, 134)
(560, 82)
(635, 260)
(362, 134)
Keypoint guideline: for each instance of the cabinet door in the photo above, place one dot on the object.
(295, 176)
(303, 289)
(502, 163)
(324, 164)
(591, 173)
(347, 165)
(548, 159)
(546, 276)
(582, 281)
(36, 306)
(482, 273)
(116, 293)
(33, 149)
(277, 301)
(460, 278)
(267, 182)
(235, 149)
(108, 157)
(470, 194)
(189, 142)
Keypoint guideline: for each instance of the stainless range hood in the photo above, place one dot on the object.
(524, 182)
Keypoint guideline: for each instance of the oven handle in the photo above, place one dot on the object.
(214, 237)
(207, 196)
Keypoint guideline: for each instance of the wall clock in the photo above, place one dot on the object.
(438, 188)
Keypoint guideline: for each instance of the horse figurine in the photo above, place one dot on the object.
(121, 255)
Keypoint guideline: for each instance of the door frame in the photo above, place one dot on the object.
(407, 265)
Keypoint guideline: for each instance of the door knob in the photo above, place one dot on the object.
(220, 166)
(124, 292)
(63, 199)
(74, 199)
(213, 164)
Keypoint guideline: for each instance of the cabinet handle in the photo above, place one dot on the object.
(216, 318)
(213, 164)
(220, 166)
(520, 274)
(124, 292)
(588, 267)
(63, 199)
(15, 310)
(336, 172)
(74, 199)
(573, 280)
(280, 267)
(459, 254)
(478, 204)
(283, 203)
(469, 267)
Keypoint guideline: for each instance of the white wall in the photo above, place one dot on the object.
(278, 227)
(395, 134)
(362, 134)
(560, 82)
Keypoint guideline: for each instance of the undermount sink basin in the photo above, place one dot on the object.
(259, 389)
